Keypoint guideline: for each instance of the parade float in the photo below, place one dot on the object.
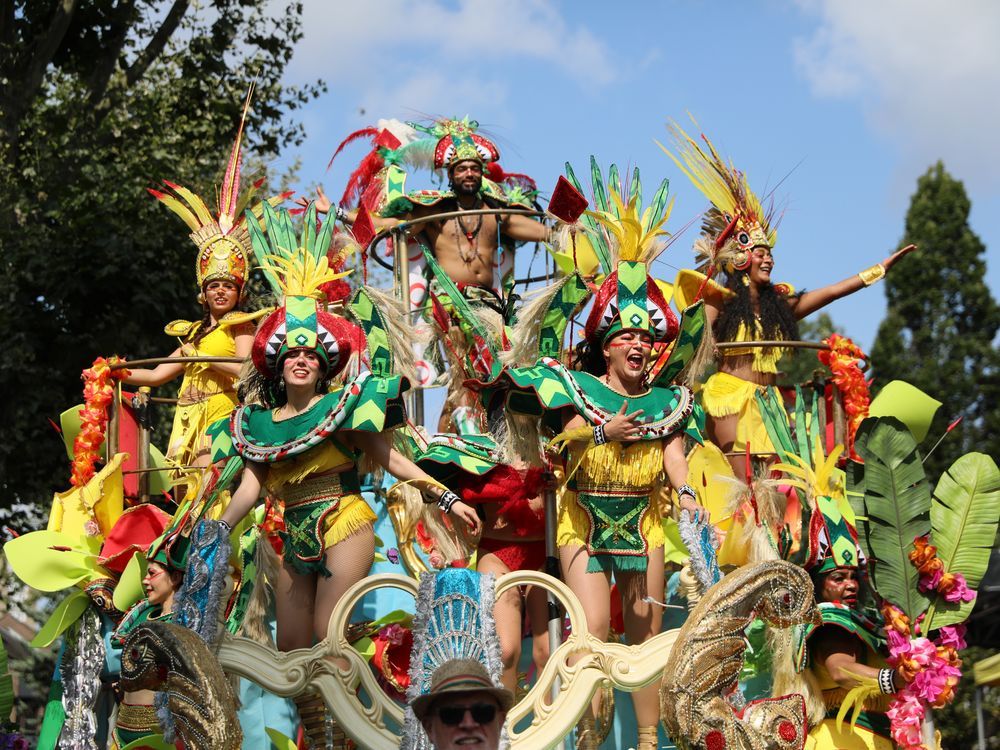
(835, 483)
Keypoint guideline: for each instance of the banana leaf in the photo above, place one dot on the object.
(801, 431)
(964, 514)
(897, 501)
(775, 418)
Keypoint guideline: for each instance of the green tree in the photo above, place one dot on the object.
(941, 323)
(99, 100)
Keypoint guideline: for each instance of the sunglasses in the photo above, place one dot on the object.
(482, 713)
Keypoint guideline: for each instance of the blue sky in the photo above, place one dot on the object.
(848, 101)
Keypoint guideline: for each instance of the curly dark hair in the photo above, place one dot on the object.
(777, 320)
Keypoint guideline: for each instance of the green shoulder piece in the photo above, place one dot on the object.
(372, 322)
(220, 439)
(447, 454)
(550, 386)
(692, 331)
(565, 303)
(367, 403)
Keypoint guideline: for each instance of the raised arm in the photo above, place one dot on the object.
(160, 374)
(323, 205)
(809, 302)
(246, 495)
(378, 448)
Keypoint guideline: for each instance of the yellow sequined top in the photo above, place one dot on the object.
(205, 395)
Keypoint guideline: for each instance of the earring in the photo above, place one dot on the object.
(745, 280)
(201, 298)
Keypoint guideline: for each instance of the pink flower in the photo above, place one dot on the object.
(906, 715)
(436, 560)
(952, 636)
(930, 582)
(393, 634)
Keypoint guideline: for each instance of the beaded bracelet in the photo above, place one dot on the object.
(885, 681)
(687, 489)
(447, 499)
(599, 437)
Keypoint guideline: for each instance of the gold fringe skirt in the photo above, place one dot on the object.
(725, 395)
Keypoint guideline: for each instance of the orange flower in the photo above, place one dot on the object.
(896, 620)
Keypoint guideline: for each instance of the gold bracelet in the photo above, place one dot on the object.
(870, 275)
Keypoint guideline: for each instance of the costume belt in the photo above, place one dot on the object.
(194, 396)
(326, 487)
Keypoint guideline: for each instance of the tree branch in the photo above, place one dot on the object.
(104, 68)
(155, 47)
(45, 49)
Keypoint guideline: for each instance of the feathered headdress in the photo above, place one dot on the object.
(379, 178)
(627, 241)
(223, 240)
(737, 221)
(296, 269)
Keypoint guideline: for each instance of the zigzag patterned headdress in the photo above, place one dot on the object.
(296, 269)
(626, 242)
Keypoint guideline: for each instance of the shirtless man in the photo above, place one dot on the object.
(466, 247)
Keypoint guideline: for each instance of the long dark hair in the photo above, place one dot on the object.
(777, 320)
(590, 358)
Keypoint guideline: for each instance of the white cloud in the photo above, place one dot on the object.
(927, 73)
(406, 53)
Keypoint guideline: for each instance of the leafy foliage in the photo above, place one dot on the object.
(897, 505)
(941, 322)
(964, 515)
(99, 100)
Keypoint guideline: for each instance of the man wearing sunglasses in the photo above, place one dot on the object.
(463, 707)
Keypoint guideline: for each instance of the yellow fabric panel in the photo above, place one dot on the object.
(352, 515)
(324, 457)
(826, 736)
(724, 395)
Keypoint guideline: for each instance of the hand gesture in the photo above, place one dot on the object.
(467, 514)
(322, 202)
(697, 512)
(891, 260)
(622, 427)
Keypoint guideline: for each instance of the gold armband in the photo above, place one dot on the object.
(870, 275)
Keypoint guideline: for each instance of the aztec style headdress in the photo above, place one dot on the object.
(296, 269)
(826, 537)
(629, 299)
(223, 240)
(379, 181)
(737, 221)
(458, 141)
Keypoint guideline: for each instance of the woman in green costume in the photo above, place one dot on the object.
(623, 434)
(136, 713)
(303, 443)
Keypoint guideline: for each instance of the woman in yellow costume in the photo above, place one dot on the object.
(623, 432)
(738, 235)
(208, 389)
